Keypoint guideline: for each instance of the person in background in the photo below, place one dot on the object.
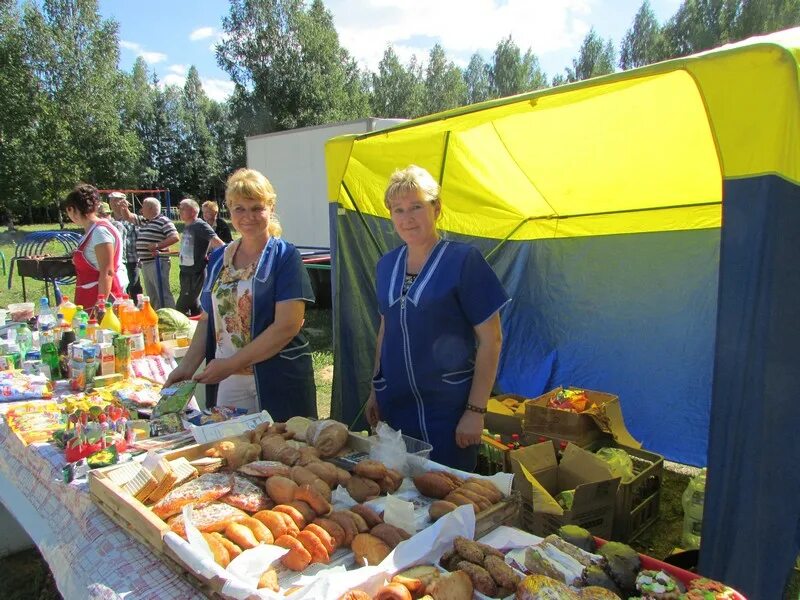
(196, 240)
(218, 224)
(128, 233)
(155, 232)
(98, 262)
(439, 339)
(254, 302)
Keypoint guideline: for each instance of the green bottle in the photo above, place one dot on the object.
(49, 353)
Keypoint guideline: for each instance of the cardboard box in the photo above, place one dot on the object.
(603, 415)
(540, 477)
(502, 419)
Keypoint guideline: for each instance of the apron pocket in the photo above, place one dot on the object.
(458, 377)
(295, 352)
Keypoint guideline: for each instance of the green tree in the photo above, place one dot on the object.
(198, 151)
(166, 136)
(643, 43)
(286, 60)
(699, 25)
(476, 78)
(595, 58)
(137, 115)
(512, 73)
(397, 91)
(762, 16)
(444, 83)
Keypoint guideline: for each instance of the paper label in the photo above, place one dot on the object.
(231, 428)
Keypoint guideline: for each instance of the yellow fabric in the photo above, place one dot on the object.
(639, 151)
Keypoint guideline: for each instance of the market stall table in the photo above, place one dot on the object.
(89, 555)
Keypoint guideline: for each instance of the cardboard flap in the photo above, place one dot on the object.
(609, 419)
(591, 494)
(579, 466)
(537, 457)
(541, 500)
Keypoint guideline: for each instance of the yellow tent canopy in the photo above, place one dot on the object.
(639, 151)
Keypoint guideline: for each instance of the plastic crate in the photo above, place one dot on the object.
(638, 501)
(413, 445)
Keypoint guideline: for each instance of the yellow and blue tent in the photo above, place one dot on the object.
(646, 226)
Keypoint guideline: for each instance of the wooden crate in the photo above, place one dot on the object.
(505, 512)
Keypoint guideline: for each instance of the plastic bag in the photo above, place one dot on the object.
(618, 461)
(389, 448)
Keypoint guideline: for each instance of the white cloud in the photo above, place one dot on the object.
(217, 89)
(201, 33)
(462, 26)
(221, 37)
(149, 57)
(173, 79)
(177, 69)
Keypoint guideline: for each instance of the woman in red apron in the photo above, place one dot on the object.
(98, 259)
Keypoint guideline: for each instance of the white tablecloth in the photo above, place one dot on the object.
(90, 555)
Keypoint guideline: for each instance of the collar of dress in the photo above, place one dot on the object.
(424, 276)
(265, 261)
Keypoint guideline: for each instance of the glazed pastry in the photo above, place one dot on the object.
(334, 530)
(246, 496)
(281, 489)
(315, 547)
(265, 468)
(298, 558)
(218, 550)
(261, 532)
(206, 488)
(368, 549)
(369, 515)
(393, 591)
(324, 537)
(241, 535)
(233, 549)
(211, 517)
(295, 514)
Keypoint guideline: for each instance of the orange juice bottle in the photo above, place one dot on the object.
(149, 321)
(67, 308)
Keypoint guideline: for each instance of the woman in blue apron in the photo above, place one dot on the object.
(253, 303)
(439, 338)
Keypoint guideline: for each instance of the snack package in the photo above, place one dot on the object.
(174, 398)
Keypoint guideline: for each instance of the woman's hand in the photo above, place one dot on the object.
(469, 429)
(372, 412)
(178, 374)
(217, 370)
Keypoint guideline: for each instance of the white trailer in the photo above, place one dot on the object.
(294, 162)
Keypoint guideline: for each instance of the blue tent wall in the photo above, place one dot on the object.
(629, 314)
(751, 521)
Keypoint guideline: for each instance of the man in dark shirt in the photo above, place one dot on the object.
(196, 240)
(220, 227)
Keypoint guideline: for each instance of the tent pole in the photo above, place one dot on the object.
(505, 239)
(444, 157)
(380, 250)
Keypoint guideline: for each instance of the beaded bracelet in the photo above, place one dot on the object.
(477, 409)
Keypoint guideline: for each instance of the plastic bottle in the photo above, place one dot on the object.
(80, 317)
(46, 317)
(100, 308)
(91, 329)
(129, 317)
(67, 308)
(24, 339)
(61, 325)
(149, 320)
(118, 303)
(67, 337)
(693, 500)
(82, 335)
(49, 354)
(110, 320)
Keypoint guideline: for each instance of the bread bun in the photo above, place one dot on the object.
(293, 513)
(348, 525)
(440, 508)
(393, 591)
(314, 499)
(371, 469)
(298, 558)
(241, 535)
(434, 484)
(368, 549)
(281, 489)
(309, 514)
(362, 489)
(218, 550)
(451, 586)
(315, 547)
(369, 515)
(389, 533)
(325, 471)
(334, 530)
(324, 537)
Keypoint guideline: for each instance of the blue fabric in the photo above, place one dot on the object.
(633, 315)
(751, 521)
(428, 350)
(285, 382)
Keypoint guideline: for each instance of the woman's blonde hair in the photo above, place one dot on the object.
(212, 205)
(412, 179)
(252, 185)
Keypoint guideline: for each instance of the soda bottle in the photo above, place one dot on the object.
(149, 321)
(49, 354)
(100, 308)
(693, 499)
(79, 317)
(45, 314)
(67, 308)
(67, 337)
(24, 338)
(110, 320)
(118, 302)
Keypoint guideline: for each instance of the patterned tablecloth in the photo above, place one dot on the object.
(90, 555)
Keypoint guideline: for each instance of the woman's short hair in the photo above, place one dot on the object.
(252, 185)
(84, 198)
(211, 205)
(411, 179)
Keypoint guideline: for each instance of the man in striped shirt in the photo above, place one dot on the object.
(155, 233)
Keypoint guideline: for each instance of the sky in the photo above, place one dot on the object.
(172, 35)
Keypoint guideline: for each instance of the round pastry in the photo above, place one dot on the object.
(295, 514)
(439, 508)
(434, 484)
(481, 580)
(362, 489)
(348, 525)
(301, 475)
(218, 550)
(389, 533)
(356, 595)
(325, 471)
(342, 476)
(274, 522)
(313, 498)
(308, 513)
(361, 524)
(369, 515)
(261, 532)
(241, 535)
(368, 549)
(233, 549)
(371, 469)
(393, 591)
(298, 558)
(314, 546)
(288, 455)
(281, 489)
(334, 530)
(308, 455)
(324, 537)
(323, 488)
(503, 575)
